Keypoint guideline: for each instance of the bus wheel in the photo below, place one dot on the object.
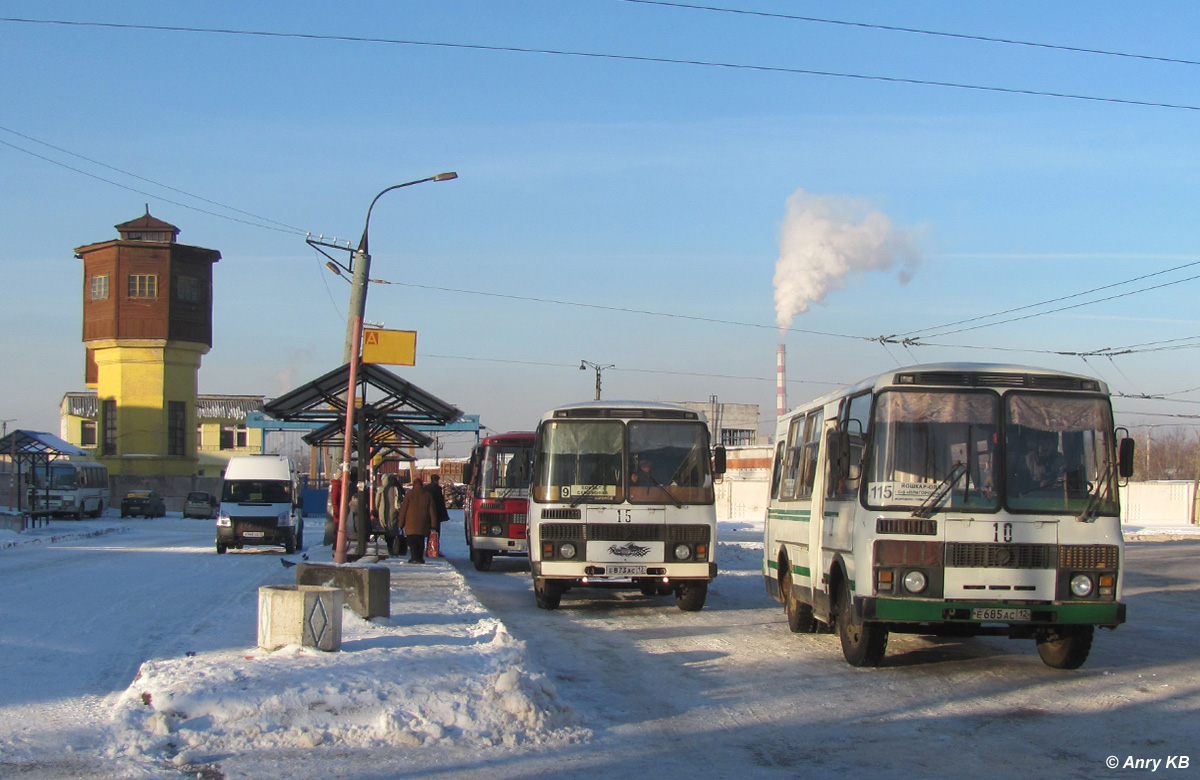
(289, 544)
(691, 595)
(1066, 647)
(547, 593)
(482, 559)
(220, 548)
(863, 644)
(800, 617)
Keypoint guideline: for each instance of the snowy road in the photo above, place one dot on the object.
(729, 691)
(724, 692)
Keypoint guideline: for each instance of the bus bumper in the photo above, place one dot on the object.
(1109, 614)
(608, 572)
(500, 545)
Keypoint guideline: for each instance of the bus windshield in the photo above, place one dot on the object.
(505, 471)
(925, 440)
(1059, 454)
(669, 463)
(61, 478)
(1055, 456)
(580, 460)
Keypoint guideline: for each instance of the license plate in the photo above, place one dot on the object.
(625, 571)
(254, 534)
(1001, 614)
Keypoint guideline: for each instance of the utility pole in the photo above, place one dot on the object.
(584, 365)
(354, 325)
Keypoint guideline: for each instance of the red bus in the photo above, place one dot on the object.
(496, 509)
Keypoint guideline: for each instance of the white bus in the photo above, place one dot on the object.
(955, 499)
(69, 488)
(622, 496)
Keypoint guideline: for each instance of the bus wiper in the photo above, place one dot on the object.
(1088, 515)
(666, 490)
(930, 504)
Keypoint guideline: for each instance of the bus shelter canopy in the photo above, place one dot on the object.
(386, 409)
(30, 449)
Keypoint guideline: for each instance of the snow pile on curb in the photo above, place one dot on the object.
(440, 671)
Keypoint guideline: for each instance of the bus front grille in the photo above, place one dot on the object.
(978, 555)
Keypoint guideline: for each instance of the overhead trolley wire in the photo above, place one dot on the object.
(609, 56)
(262, 221)
(917, 31)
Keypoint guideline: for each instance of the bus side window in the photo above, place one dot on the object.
(812, 442)
(777, 469)
(850, 435)
(791, 464)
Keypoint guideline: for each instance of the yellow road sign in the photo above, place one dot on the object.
(394, 347)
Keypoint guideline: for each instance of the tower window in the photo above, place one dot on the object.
(87, 433)
(176, 419)
(187, 288)
(100, 288)
(108, 416)
(143, 286)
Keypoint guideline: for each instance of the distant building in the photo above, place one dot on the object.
(221, 430)
(734, 425)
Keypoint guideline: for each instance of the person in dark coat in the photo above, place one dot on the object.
(439, 508)
(387, 504)
(417, 518)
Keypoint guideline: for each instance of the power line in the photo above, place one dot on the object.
(917, 31)
(149, 194)
(606, 56)
(621, 309)
(201, 198)
(1052, 300)
(1062, 309)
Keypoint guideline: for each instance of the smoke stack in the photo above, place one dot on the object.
(781, 381)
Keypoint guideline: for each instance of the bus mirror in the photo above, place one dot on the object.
(1125, 459)
(468, 472)
(719, 460)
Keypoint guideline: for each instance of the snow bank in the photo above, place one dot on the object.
(440, 671)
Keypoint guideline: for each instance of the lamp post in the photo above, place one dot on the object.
(354, 325)
(584, 365)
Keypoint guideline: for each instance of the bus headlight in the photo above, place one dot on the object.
(567, 550)
(915, 581)
(1081, 585)
(682, 552)
(496, 530)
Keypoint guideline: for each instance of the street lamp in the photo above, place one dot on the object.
(354, 322)
(584, 365)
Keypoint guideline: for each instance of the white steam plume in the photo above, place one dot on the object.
(825, 240)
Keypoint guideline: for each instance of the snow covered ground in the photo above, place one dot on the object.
(440, 683)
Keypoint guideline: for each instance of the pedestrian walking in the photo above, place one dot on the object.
(387, 504)
(434, 488)
(417, 518)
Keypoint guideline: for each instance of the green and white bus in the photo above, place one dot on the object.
(958, 499)
(622, 497)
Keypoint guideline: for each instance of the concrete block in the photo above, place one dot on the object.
(367, 588)
(299, 615)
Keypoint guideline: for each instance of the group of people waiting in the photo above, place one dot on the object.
(411, 519)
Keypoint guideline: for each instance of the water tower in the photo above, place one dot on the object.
(147, 320)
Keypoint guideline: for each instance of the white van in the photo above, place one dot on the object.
(260, 504)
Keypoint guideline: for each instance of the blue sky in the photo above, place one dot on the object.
(623, 184)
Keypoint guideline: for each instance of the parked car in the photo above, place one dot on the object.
(200, 504)
(146, 503)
